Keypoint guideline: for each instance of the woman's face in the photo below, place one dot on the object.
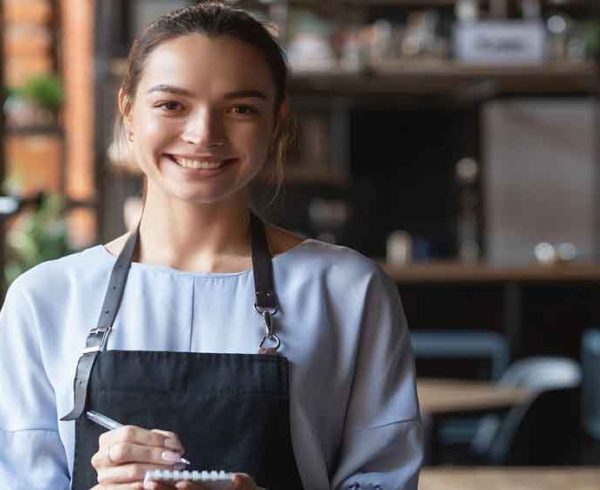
(203, 117)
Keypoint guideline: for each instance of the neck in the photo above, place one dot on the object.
(193, 236)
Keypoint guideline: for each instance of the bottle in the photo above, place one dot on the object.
(467, 173)
(399, 248)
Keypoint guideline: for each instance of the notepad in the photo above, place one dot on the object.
(213, 480)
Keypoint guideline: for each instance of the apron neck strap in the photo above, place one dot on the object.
(116, 284)
(265, 304)
(262, 270)
(262, 267)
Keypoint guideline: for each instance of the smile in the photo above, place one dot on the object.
(198, 163)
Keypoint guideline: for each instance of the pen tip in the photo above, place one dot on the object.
(184, 461)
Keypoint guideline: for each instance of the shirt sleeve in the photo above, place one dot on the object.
(382, 440)
(32, 455)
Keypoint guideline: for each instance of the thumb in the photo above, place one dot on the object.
(241, 481)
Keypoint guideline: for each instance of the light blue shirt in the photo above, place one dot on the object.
(354, 411)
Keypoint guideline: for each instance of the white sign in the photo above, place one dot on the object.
(500, 42)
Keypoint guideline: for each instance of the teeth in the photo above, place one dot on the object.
(197, 164)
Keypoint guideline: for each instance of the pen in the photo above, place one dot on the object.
(111, 424)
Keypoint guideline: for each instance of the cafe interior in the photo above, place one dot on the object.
(455, 142)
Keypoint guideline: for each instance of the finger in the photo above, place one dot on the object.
(156, 485)
(241, 481)
(172, 440)
(188, 485)
(127, 473)
(121, 453)
(138, 435)
(125, 486)
(99, 460)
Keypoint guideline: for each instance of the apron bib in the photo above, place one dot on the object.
(231, 411)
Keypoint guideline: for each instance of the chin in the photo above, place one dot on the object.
(203, 196)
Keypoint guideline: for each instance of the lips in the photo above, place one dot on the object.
(206, 163)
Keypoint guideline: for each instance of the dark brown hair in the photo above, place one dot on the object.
(214, 19)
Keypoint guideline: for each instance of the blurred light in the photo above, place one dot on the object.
(557, 24)
(8, 205)
(566, 251)
(545, 253)
(467, 170)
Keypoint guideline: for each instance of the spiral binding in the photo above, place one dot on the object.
(197, 476)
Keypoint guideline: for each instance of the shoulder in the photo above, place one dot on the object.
(336, 266)
(56, 276)
(115, 246)
(281, 240)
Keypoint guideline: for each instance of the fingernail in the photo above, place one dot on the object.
(170, 456)
(173, 444)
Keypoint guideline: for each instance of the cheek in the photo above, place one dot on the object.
(253, 139)
(151, 137)
(151, 132)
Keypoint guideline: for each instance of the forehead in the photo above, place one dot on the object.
(207, 66)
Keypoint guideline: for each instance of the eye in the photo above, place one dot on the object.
(244, 110)
(169, 105)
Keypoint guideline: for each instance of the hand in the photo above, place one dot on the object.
(125, 454)
(240, 482)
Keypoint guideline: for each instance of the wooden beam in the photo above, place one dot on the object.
(78, 29)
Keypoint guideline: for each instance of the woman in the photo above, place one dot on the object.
(205, 316)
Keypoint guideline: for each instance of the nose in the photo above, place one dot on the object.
(204, 128)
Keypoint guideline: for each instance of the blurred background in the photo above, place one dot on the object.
(456, 142)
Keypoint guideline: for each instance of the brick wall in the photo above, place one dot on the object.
(59, 160)
(33, 159)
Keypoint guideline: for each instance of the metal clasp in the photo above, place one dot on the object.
(89, 350)
(103, 330)
(269, 336)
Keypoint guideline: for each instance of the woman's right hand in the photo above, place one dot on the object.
(125, 454)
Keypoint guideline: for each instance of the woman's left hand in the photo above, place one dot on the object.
(240, 482)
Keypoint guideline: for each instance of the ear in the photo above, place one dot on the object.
(124, 105)
(281, 116)
(284, 110)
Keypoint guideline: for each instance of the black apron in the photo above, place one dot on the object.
(231, 411)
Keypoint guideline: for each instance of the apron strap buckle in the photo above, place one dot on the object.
(269, 336)
(270, 349)
(97, 330)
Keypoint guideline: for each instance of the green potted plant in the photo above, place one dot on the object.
(36, 103)
(37, 236)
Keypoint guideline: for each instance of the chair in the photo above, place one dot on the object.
(462, 344)
(540, 431)
(590, 360)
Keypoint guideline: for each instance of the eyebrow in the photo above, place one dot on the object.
(239, 94)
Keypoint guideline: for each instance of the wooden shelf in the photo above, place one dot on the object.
(442, 77)
(396, 3)
(403, 3)
(454, 272)
(447, 78)
(452, 3)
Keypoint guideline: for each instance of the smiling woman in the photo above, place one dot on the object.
(201, 119)
(283, 361)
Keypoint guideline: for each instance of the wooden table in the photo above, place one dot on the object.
(449, 397)
(524, 478)
(443, 398)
